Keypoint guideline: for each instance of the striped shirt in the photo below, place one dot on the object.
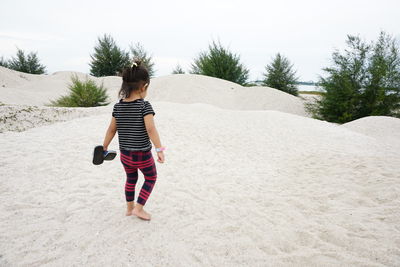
(132, 133)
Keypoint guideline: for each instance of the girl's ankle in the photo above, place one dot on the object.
(138, 206)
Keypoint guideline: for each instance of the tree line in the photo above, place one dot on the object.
(364, 80)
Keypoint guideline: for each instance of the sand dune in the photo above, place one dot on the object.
(11, 78)
(179, 88)
(27, 89)
(381, 127)
(239, 188)
(249, 180)
(22, 117)
(192, 88)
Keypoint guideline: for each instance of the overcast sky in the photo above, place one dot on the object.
(63, 33)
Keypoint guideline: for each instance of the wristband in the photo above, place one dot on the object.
(160, 149)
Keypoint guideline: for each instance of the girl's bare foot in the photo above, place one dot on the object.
(129, 208)
(128, 213)
(141, 213)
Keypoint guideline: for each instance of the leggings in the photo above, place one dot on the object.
(132, 161)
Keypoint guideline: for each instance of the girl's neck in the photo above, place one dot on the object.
(133, 97)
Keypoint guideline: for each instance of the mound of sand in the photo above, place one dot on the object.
(192, 88)
(11, 78)
(22, 117)
(178, 88)
(28, 89)
(238, 188)
(383, 128)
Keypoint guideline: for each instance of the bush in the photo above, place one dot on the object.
(83, 94)
(108, 59)
(220, 63)
(25, 63)
(363, 81)
(281, 76)
(139, 53)
(178, 70)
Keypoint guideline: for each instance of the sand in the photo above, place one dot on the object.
(192, 88)
(178, 88)
(22, 117)
(383, 128)
(240, 187)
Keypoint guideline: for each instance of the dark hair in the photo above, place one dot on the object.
(133, 78)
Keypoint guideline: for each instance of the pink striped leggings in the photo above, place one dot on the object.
(132, 161)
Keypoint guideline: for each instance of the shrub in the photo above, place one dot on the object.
(178, 70)
(139, 53)
(219, 62)
(108, 59)
(83, 94)
(281, 76)
(25, 63)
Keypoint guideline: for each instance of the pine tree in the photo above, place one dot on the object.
(108, 59)
(26, 63)
(219, 62)
(138, 52)
(281, 76)
(178, 70)
(362, 81)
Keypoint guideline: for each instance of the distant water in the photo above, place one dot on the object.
(302, 87)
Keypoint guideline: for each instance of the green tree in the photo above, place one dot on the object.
(108, 59)
(83, 94)
(280, 75)
(178, 70)
(26, 63)
(362, 81)
(138, 52)
(219, 62)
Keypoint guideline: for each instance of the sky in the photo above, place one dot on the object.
(64, 33)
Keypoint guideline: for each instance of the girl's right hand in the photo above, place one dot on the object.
(160, 156)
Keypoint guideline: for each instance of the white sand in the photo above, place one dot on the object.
(22, 117)
(192, 88)
(238, 188)
(179, 88)
(383, 128)
(27, 89)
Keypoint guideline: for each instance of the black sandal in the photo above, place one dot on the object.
(98, 157)
(109, 154)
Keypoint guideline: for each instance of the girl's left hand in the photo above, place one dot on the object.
(160, 156)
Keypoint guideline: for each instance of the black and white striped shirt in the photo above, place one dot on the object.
(132, 133)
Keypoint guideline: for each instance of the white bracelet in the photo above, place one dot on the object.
(160, 149)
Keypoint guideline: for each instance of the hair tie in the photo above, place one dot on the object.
(134, 64)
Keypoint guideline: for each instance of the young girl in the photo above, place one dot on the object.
(132, 117)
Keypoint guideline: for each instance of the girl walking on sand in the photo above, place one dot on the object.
(133, 118)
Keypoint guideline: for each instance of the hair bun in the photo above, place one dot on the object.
(136, 63)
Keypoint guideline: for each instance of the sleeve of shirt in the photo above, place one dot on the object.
(147, 109)
(114, 111)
